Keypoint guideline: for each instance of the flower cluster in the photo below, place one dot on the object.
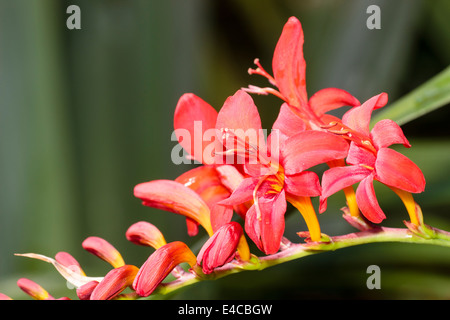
(247, 178)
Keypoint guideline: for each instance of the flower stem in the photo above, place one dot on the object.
(293, 251)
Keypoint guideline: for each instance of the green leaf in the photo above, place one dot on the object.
(431, 95)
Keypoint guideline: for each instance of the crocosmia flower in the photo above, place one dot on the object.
(289, 76)
(370, 159)
(275, 177)
(299, 112)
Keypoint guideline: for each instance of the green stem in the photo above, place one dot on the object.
(293, 251)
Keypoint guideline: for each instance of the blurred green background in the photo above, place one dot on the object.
(87, 114)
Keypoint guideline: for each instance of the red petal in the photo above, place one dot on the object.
(229, 176)
(367, 201)
(243, 193)
(174, 197)
(239, 125)
(289, 65)
(269, 228)
(387, 132)
(192, 227)
(239, 112)
(193, 117)
(287, 122)
(358, 118)
(310, 148)
(358, 155)
(206, 182)
(252, 226)
(396, 170)
(338, 178)
(330, 99)
(304, 184)
(220, 215)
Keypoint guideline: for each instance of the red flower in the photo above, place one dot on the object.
(194, 124)
(275, 176)
(289, 77)
(193, 120)
(299, 113)
(370, 159)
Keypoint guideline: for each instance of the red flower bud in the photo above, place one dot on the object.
(114, 283)
(145, 234)
(220, 248)
(160, 264)
(104, 250)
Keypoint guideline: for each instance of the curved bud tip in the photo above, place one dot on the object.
(160, 264)
(145, 234)
(104, 250)
(33, 289)
(67, 260)
(4, 297)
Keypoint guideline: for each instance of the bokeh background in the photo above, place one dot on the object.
(87, 114)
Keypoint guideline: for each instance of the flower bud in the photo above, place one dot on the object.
(104, 250)
(4, 297)
(67, 260)
(220, 248)
(33, 289)
(160, 264)
(114, 283)
(145, 234)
